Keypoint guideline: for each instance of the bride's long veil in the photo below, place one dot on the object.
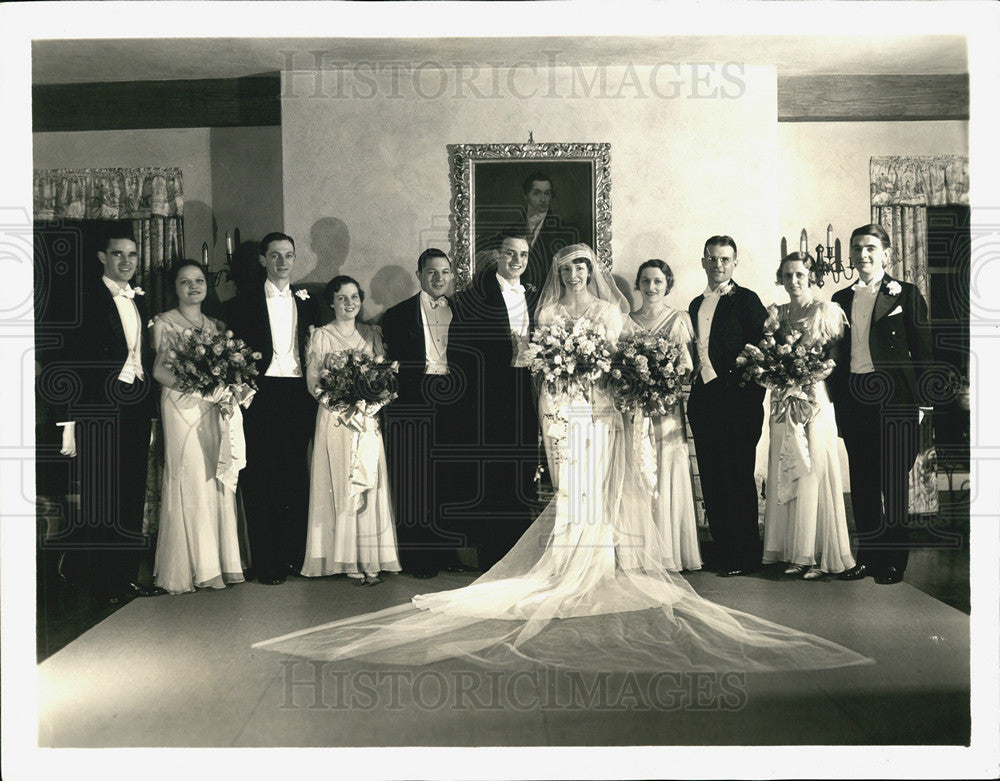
(585, 588)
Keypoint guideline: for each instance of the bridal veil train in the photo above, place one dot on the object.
(586, 587)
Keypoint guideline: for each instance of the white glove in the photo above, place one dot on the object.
(68, 440)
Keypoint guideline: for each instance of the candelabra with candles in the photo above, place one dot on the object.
(224, 274)
(828, 259)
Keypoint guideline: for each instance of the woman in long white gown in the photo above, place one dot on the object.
(673, 505)
(585, 587)
(351, 528)
(197, 545)
(805, 523)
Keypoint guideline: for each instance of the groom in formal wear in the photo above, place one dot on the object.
(274, 319)
(489, 333)
(106, 428)
(420, 422)
(726, 417)
(879, 401)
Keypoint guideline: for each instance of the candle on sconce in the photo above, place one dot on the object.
(803, 242)
(204, 253)
(829, 235)
(229, 244)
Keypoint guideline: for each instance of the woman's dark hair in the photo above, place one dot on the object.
(807, 260)
(175, 269)
(658, 264)
(334, 285)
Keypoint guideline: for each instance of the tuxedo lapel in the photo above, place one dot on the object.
(495, 306)
(722, 318)
(111, 322)
(693, 312)
(848, 305)
(417, 330)
(884, 301)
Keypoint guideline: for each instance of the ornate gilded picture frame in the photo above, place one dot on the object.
(488, 195)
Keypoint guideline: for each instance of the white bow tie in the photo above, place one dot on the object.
(440, 302)
(859, 285)
(514, 288)
(286, 293)
(126, 292)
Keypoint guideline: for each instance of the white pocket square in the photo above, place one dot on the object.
(897, 311)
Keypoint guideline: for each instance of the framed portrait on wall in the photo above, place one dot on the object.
(552, 194)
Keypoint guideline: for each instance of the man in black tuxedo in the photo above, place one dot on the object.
(877, 394)
(492, 324)
(106, 428)
(544, 231)
(420, 423)
(726, 418)
(274, 318)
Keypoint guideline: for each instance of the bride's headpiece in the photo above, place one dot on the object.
(601, 283)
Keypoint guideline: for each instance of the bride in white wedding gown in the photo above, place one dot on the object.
(585, 588)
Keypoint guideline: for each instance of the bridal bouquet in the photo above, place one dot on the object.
(788, 367)
(356, 385)
(569, 356)
(648, 374)
(217, 366)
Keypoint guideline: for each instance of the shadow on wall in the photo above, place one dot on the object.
(330, 242)
(389, 286)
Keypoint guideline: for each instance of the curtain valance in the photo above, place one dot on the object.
(108, 193)
(920, 181)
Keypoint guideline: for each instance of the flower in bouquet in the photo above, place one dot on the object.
(352, 383)
(216, 366)
(569, 356)
(648, 374)
(788, 366)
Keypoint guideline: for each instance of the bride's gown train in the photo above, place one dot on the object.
(586, 588)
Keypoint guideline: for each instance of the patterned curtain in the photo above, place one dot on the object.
(153, 199)
(160, 241)
(108, 193)
(901, 190)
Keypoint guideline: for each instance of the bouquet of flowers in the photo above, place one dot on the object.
(648, 373)
(569, 356)
(356, 385)
(218, 366)
(788, 367)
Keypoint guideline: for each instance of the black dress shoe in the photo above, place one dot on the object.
(732, 573)
(890, 576)
(138, 590)
(424, 574)
(856, 572)
(274, 580)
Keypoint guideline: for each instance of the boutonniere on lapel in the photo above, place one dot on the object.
(302, 295)
(529, 287)
(893, 288)
(138, 291)
(727, 289)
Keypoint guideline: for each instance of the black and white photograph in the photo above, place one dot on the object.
(500, 390)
